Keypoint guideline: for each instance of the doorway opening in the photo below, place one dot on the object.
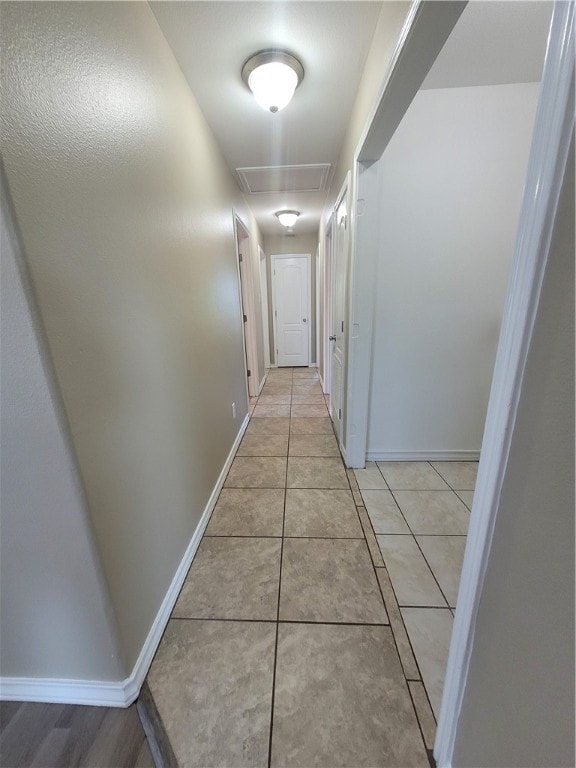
(403, 316)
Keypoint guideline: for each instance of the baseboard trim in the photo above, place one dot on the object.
(422, 455)
(96, 693)
(122, 693)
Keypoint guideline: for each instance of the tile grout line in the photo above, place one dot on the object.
(429, 752)
(400, 607)
(279, 593)
(391, 491)
(406, 679)
(421, 552)
(447, 607)
(307, 622)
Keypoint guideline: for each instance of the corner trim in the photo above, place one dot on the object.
(122, 693)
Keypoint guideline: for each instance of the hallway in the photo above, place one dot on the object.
(287, 645)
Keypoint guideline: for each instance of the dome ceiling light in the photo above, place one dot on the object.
(287, 218)
(272, 76)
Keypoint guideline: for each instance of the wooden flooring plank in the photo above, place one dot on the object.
(50, 752)
(145, 759)
(7, 711)
(23, 736)
(69, 736)
(84, 724)
(118, 741)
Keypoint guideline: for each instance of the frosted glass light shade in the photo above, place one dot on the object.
(287, 218)
(272, 76)
(273, 85)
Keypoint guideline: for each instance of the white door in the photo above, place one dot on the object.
(264, 301)
(291, 296)
(247, 307)
(337, 336)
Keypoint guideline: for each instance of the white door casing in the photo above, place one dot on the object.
(340, 226)
(291, 303)
(327, 308)
(264, 304)
(247, 305)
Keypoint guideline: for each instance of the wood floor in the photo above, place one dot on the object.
(63, 735)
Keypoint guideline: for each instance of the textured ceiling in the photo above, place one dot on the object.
(212, 40)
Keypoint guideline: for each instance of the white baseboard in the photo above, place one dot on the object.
(96, 693)
(121, 693)
(261, 385)
(422, 455)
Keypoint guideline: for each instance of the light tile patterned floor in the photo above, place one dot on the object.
(300, 634)
(420, 512)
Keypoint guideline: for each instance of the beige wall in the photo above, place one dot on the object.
(125, 207)
(55, 609)
(518, 704)
(279, 244)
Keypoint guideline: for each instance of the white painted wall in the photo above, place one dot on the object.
(55, 613)
(125, 204)
(451, 185)
(518, 705)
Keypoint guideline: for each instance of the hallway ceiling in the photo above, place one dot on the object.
(211, 40)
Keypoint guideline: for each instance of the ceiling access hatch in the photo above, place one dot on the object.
(284, 178)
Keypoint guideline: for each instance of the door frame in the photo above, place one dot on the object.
(263, 267)
(427, 27)
(327, 308)
(246, 295)
(308, 258)
(345, 193)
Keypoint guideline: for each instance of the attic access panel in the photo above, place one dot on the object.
(284, 178)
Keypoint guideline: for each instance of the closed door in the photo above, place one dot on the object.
(337, 337)
(291, 294)
(264, 301)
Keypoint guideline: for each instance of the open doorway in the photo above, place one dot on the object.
(440, 186)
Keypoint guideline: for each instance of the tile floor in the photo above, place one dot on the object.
(313, 625)
(420, 512)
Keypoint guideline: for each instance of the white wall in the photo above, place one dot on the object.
(518, 705)
(279, 244)
(55, 615)
(125, 204)
(386, 35)
(451, 185)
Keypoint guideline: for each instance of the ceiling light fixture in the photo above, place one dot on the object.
(287, 218)
(272, 76)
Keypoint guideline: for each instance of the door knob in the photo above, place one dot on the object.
(304, 320)
(331, 338)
